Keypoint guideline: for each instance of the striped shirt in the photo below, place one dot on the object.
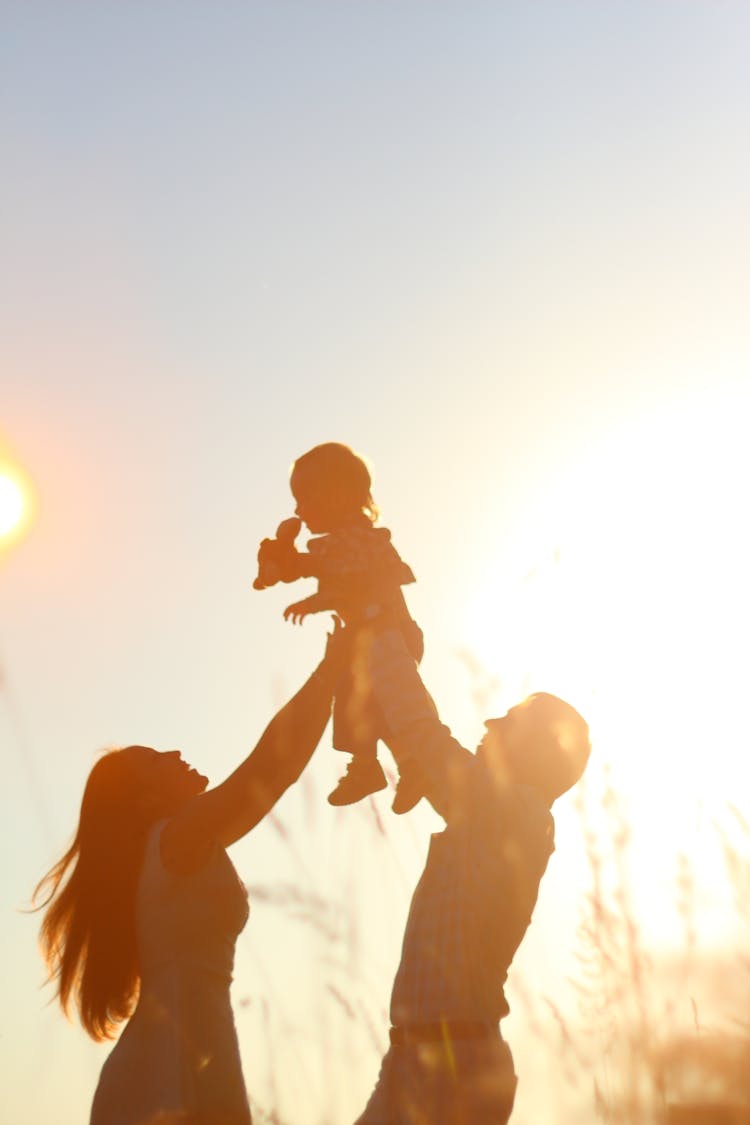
(472, 907)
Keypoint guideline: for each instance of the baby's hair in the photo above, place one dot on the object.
(335, 464)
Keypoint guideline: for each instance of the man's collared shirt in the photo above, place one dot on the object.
(473, 903)
(479, 887)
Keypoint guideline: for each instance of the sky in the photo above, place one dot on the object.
(501, 249)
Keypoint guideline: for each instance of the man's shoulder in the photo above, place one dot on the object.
(512, 805)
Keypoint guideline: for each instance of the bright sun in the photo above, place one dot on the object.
(11, 504)
(627, 595)
(624, 590)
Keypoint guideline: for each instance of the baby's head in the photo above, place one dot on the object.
(331, 485)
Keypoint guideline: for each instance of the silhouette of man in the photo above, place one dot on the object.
(447, 1063)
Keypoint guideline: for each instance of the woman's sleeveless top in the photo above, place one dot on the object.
(178, 1058)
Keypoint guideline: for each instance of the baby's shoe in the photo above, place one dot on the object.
(363, 776)
(410, 788)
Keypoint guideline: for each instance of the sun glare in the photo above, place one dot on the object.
(627, 594)
(13, 505)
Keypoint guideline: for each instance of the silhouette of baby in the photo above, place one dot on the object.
(359, 575)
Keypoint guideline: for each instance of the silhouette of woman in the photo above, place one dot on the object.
(143, 911)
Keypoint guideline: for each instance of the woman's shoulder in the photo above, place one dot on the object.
(159, 867)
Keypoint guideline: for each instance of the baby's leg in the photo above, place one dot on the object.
(411, 784)
(356, 723)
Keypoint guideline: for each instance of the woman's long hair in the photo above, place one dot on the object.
(87, 935)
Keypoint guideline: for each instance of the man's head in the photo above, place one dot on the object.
(542, 742)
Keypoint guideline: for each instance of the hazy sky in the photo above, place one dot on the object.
(503, 249)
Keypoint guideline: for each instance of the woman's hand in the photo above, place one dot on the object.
(338, 646)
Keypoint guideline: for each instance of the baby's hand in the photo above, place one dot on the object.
(277, 557)
(269, 571)
(297, 611)
(288, 530)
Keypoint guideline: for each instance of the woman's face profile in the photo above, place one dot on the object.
(164, 778)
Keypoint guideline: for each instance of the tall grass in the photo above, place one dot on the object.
(664, 1042)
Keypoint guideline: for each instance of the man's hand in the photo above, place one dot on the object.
(338, 644)
(337, 653)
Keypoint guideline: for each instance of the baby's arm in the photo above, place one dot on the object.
(356, 598)
(331, 596)
(356, 595)
(316, 603)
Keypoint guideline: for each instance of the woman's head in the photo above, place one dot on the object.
(158, 780)
(331, 485)
(129, 789)
(88, 931)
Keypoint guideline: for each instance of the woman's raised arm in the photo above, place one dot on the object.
(226, 813)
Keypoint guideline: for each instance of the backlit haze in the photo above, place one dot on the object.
(503, 250)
